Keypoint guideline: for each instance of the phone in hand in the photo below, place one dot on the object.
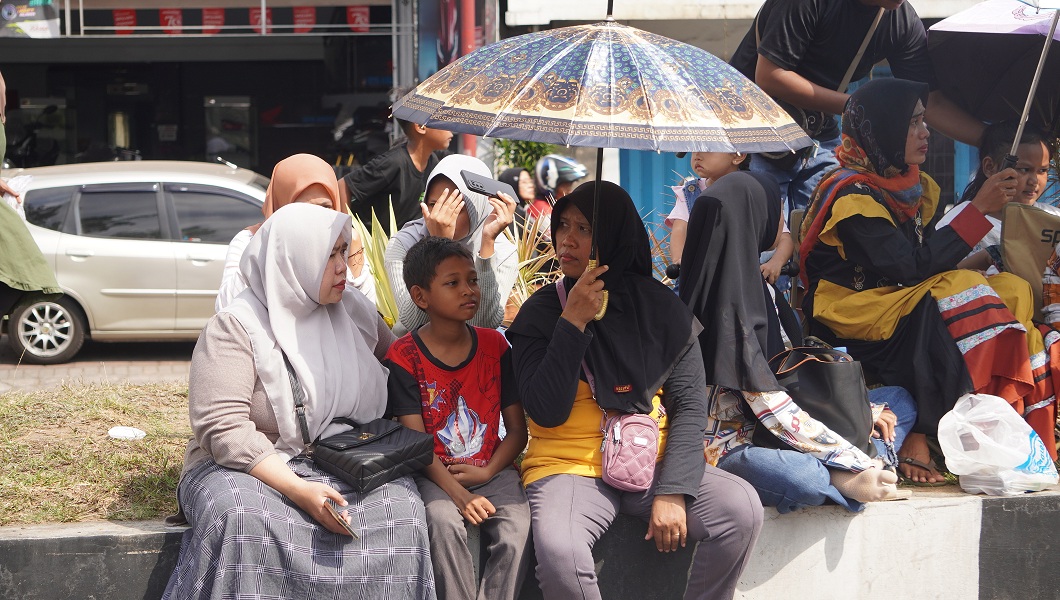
(486, 186)
(339, 518)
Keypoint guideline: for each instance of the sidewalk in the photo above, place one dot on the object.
(99, 363)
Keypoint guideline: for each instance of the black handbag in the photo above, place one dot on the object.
(368, 455)
(830, 386)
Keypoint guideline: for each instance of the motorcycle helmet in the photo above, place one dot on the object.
(554, 169)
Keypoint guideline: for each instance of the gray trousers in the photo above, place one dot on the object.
(505, 534)
(571, 512)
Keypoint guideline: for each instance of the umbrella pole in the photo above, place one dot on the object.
(593, 254)
(1010, 160)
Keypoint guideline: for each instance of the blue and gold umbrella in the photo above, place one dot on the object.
(604, 85)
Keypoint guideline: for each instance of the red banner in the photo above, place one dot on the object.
(124, 20)
(171, 20)
(255, 20)
(305, 18)
(357, 18)
(213, 19)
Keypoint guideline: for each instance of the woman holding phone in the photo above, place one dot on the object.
(452, 210)
(262, 515)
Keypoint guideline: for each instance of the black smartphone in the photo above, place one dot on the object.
(486, 186)
(341, 521)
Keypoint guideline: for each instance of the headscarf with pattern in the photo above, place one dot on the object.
(875, 129)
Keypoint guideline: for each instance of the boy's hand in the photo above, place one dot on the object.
(469, 475)
(440, 218)
(477, 509)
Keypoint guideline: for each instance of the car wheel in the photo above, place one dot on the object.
(46, 332)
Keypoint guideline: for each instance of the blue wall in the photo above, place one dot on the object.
(647, 176)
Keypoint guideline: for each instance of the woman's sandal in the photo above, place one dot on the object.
(903, 480)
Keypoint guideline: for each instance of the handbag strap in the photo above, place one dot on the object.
(562, 291)
(857, 57)
(299, 399)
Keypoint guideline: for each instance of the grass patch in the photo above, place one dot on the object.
(58, 465)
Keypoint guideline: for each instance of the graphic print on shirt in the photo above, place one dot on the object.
(464, 433)
(461, 407)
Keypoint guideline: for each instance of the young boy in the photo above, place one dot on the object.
(455, 382)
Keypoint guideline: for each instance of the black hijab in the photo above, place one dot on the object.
(876, 118)
(731, 222)
(511, 177)
(646, 328)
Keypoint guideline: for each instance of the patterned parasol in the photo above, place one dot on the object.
(604, 85)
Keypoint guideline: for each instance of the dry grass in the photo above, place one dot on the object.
(57, 463)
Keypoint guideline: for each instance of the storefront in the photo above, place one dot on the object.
(249, 82)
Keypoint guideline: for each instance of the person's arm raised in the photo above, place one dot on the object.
(795, 89)
(951, 120)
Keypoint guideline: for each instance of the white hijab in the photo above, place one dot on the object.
(476, 205)
(329, 346)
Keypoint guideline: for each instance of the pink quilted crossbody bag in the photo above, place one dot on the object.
(631, 441)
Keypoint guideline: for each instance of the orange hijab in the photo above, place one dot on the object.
(293, 175)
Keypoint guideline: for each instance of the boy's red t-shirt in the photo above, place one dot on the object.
(461, 405)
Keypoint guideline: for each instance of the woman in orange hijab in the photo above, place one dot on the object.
(297, 178)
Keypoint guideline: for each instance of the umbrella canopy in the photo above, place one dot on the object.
(604, 85)
(985, 58)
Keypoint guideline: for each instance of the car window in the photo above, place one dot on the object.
(120, 214)
(47, 207)
(212, 216)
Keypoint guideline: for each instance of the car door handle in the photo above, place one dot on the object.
(79, 254)
(200, 260)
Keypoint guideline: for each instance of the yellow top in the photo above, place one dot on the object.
(574, 447)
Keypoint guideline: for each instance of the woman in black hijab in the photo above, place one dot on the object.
(572, 369)
(733, 221)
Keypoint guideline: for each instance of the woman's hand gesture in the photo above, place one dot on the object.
(501, 217)
(311, 497)
(998, 190)
(585, 298)
(884, 426)
(668, 522)
(440, 218)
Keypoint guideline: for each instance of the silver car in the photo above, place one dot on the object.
(137, 247)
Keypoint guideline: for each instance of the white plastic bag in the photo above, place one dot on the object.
(992, 449)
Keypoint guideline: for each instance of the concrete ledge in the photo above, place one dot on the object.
(87, 560)
(940, 544)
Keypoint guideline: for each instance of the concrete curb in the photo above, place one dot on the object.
(941, 544)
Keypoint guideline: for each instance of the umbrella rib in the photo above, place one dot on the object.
(578, 93)
(547, 59)
(644, 88)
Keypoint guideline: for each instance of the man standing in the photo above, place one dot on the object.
(397, 176)
(798, 51)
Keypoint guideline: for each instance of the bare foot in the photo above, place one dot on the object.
(914, 460)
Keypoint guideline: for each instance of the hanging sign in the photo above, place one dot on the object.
(124, 20)
(305, 18)
(213, 19)
(357, 18)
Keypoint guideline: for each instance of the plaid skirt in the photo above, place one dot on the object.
(249, 541)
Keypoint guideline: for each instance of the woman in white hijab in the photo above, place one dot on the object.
(259, 525)
(451, 210)
(297, 178)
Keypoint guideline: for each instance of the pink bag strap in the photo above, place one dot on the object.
(562, 291)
